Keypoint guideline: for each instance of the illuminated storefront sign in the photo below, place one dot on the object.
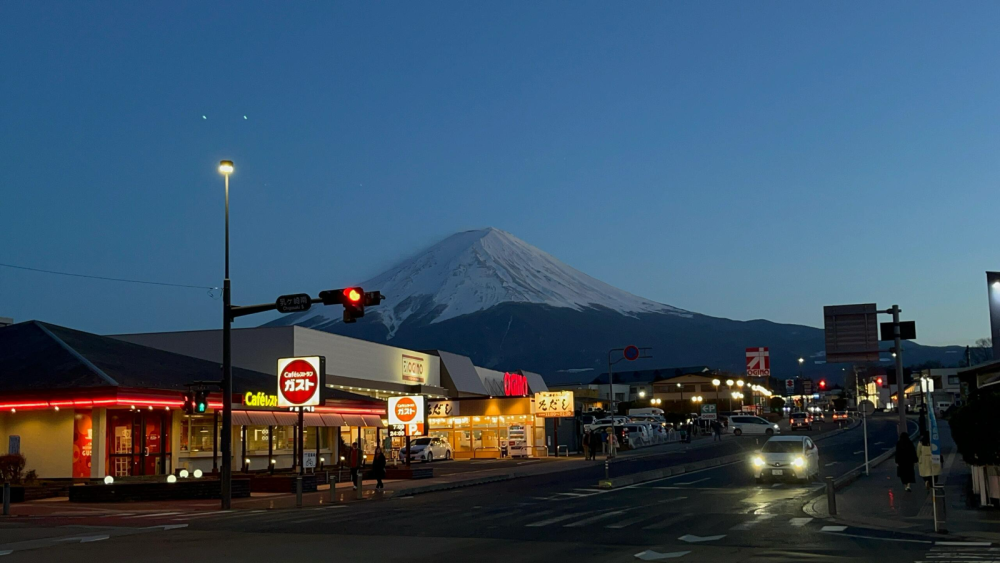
(414, 369)
(554, 404)
(300, 381)
(259, 399)
(410, 412)
(515, 385)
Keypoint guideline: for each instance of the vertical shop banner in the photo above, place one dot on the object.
(83, 442)
(410, 412)
(935, 438)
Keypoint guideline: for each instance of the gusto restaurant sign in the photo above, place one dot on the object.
(409, 412)
(259, 399)
(300, 381)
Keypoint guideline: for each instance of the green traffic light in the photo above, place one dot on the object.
(201, 407)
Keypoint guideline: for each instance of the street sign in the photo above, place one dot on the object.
(294, 303)
(631, 353)
(866, 407)
(300, 381)
(708, 412)
(851, 333)
(789, 386)
(907, 331)
(554, 404)
(807, 387)
(758, 362)
(309, 460)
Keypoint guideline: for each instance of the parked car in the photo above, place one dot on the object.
(783, 457)
(426, 449)
(800, 420)
(752, 425)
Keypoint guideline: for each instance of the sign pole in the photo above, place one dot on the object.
(864, 422)
(301, 458)
(555, 439)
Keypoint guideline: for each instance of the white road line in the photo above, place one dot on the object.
(672, 499)
(575, 495)
(593, 519)
(831, 463)
(694, 482)
(859, 452)
(833, 528)
(122, 515)
(650, 555)
(878, 538)
(591, 491)
(665, 523)
(194, 515)
(154, 515)
(625, 523)
(965, 543)
(7, 552)
(554, 520)
(799, 522)
(751, 523)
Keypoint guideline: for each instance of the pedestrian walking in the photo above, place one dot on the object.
(613, 440)
(604, 441)
(354, 459)
(378, 468)
(716, 431)
(925, 464)
(586, 444)
(906, 456)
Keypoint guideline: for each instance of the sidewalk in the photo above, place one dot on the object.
(879, 500)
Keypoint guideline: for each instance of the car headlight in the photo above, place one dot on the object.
(798, 462)
(758, 461)
(775, 426)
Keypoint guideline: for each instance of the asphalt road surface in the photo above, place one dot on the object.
(713, 514)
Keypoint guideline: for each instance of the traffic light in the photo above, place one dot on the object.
(822, 384)
(354, 300)
(878, 381)
(200, 402)
(188, 403)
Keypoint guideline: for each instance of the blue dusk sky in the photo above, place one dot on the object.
(738, 159)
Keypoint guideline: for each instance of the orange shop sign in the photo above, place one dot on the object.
(410, 412)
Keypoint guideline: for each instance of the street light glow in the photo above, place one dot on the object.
(716, 382)
(802, 360)
(226, 167)
(729, 382)
(740, 382)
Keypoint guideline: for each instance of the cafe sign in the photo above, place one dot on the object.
(410, 412)
(554, 404)
(259, 399)
(300, 381)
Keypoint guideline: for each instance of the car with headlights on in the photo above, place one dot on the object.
(786, 457)
(426, 449)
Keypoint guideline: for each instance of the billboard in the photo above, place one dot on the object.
(758, 362)
(554, 404)
(410, 412)
(300, 381)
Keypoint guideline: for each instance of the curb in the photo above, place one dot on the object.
(453, 485)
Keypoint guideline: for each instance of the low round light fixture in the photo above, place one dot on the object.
(197, 473)
(171, 478)
(109, 480)
(183, 473)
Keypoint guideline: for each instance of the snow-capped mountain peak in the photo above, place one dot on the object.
(475, 270)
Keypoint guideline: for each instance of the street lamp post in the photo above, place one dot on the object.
(226, 480)
(716, 383)
(729, 385)
(681, 389)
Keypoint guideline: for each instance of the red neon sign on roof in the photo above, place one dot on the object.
(515, 385)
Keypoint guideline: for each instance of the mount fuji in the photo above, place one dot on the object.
(509, 305)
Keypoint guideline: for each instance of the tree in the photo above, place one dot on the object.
(981, 351)
(777, 405)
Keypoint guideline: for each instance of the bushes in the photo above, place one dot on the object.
(975, 431)
(11, 467)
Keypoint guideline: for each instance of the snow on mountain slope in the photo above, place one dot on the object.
(475, 270)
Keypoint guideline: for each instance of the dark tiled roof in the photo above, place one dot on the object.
(632, 377)
(37, 356)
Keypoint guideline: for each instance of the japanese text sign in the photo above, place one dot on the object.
(300, 381)
(554, 404)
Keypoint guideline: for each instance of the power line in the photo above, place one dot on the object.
(105, 278)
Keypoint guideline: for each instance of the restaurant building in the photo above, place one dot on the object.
(78, 405)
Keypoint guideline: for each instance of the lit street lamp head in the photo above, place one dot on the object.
(802, 360)
(729, 382)
(740, 383)
(716, 382)
(226, 167)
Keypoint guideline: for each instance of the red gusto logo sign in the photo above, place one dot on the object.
(299, 381)
(515, 385)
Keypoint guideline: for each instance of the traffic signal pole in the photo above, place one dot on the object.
(900, 386)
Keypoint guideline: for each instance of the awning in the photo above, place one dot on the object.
(240, 418)
(353, 420)
(312, 419)
(333, 419)
(261, 418)
(286, 418)
(373, 421)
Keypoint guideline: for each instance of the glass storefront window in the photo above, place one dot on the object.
(196, 433)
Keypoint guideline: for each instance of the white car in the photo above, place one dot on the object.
(752, 425)
(786, 457)
(426, 449)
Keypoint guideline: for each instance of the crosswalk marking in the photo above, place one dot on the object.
(799, 522)
(695, 482)
(154, 515)
(667, 522)
(833, 528)
(625, 523)
(595, 518)
(555, 520)
(751, 523)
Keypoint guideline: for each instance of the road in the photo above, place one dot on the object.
(698, 516)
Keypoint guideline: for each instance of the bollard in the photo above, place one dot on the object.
(607, 469)
(361, 486)
(298, 491)
(6, 499)
(831, 497)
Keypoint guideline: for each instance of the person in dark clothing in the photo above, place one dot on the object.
(906, 456)
(378, 468)
(354, 459)
(586, 445)
(716, 430)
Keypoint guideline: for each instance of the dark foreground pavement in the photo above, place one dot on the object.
(714, 514)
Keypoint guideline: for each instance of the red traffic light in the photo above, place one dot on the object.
(822, 384)
(354, 295)
(878, 380)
